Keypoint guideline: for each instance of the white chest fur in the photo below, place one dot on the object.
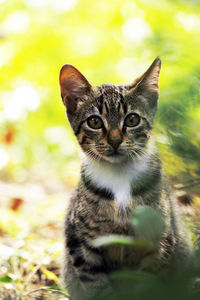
(117, 177)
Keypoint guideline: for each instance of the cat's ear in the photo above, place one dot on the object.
(74, 87)
(149, 80)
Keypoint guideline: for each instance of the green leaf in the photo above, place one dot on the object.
(54, 288)
(148, 225)
(5, 279)
(50, 275)
(132, 275)
(120, 240)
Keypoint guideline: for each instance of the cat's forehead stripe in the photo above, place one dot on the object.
(106, 107)
(100, 100)
(111, 99)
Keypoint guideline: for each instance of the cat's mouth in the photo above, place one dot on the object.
(115, 156)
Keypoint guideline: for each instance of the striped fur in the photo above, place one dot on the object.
(121, 170)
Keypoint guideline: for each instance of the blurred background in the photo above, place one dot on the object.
(109, 42)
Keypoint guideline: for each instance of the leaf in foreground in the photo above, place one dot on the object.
(118, 240)
(5, 279)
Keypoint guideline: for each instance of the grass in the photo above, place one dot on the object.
(31, 245)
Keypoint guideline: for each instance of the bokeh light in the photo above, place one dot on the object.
(109, 42)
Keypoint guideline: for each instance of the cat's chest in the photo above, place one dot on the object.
(119, 185)
(120, 180)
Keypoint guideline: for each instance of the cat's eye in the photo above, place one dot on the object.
(132, 120)
(95, 122)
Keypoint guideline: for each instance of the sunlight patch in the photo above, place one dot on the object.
(61, 6)
(84, 41)
(18, 102)
(6, 53)
(37, 3)
(129, 68)
(188, 21)
(6, 252)
(59, 135)
(136, 30)
(3, 157)
(55, 134)
(17, 22)
(58, 6)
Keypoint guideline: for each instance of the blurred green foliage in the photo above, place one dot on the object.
(144, 217)
(109, 41)
(179, 282)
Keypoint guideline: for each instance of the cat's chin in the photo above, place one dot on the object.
(115, 158)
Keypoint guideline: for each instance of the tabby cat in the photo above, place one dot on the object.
(121, 170)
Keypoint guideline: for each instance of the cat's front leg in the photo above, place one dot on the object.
(95, 285)
(87, 271)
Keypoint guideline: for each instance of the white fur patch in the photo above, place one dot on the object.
(117, 177)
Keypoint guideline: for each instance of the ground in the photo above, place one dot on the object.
(31, 240)
(31, 237)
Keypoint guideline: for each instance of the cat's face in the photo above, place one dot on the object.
(112, 123)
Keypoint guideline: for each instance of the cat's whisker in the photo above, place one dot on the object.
(135, 154)
(93, 156)
(135, 145)
(131, 155)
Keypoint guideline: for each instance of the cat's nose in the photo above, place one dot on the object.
(114, 138)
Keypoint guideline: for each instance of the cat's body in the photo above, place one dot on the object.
(121, 170)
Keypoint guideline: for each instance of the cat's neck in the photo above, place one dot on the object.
(118, 178)
(126, 169)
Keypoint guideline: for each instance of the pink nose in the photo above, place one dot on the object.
(114, 138)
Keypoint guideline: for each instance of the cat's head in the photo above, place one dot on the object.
(112, 123)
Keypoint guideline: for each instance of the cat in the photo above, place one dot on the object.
(121, 170)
